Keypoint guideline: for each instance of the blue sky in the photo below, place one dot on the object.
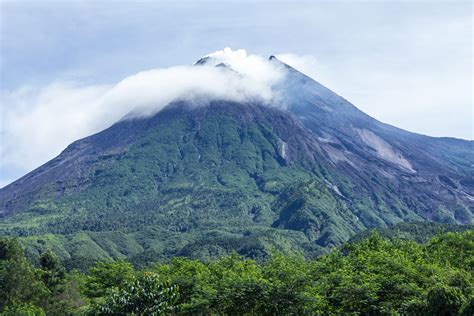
(406, 63)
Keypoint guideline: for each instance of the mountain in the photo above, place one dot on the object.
(303, 174)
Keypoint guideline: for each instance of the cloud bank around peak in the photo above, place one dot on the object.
(39, 122)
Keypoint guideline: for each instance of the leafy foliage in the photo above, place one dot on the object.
(25, 290)
(107, 275)
(18, 280)
(146, 295)
(374, 276)
(417, 231)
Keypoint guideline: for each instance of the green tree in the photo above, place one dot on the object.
(18, 282)
(145, 295)
(445, 301)
(194, 280)
(288, 277)
(468, 308)
(375, 276)
(240, 284)
(52, 271)
(455, 249)
(22, 309)
(107, 275)
(61, 288)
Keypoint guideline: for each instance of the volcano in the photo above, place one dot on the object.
(303, 173)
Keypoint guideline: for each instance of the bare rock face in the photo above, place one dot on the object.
(384, 151)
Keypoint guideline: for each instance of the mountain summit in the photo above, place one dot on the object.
(301, 171)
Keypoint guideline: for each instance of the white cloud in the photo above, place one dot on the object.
(39, 122)
(255, 67)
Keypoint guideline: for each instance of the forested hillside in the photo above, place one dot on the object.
(416, 231)
(374, 276)
(200, 178)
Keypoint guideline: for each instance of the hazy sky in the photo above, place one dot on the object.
(406, 63)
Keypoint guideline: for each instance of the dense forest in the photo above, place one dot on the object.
(372, 276)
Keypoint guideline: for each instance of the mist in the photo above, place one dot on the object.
(39, 122)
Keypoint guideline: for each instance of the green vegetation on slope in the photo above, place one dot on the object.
(200, 183)
(185, 191)
(375, 276)
(417, 231)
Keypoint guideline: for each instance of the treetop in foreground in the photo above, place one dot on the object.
(374, 276)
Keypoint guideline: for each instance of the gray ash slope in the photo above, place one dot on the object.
(199, 181)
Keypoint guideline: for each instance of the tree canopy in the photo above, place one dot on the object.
(374, 276)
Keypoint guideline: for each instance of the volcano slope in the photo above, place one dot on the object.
(201, 180)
